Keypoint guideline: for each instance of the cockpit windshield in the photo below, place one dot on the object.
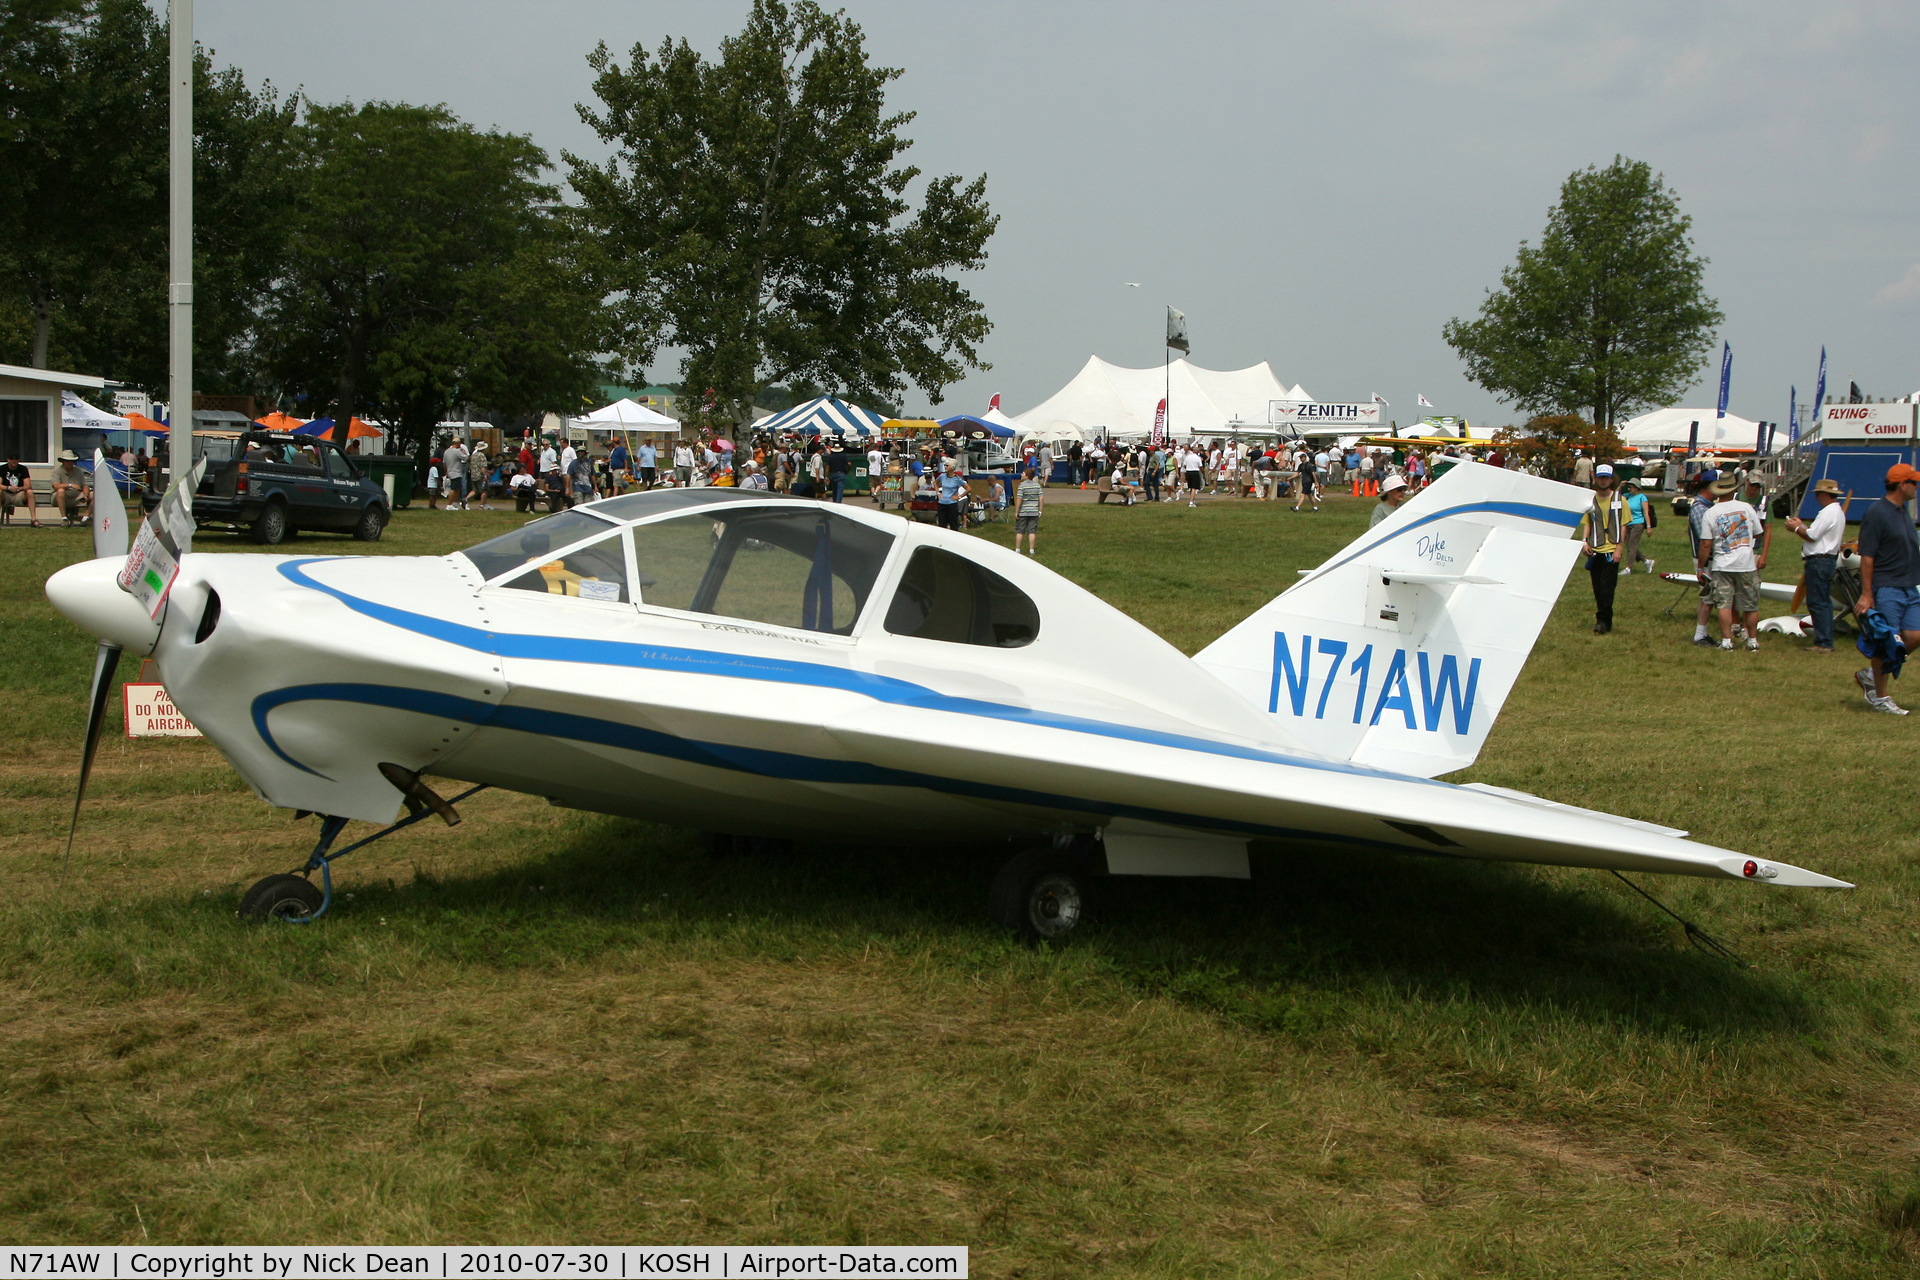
(535, 540)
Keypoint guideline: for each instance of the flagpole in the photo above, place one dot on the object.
(180, 237)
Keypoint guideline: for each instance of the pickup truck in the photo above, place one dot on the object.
(274, 484)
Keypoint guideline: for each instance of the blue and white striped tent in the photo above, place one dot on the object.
(825, 416)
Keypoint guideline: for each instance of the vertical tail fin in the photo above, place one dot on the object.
(1400, 650)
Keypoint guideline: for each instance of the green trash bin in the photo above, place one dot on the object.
(378, 466)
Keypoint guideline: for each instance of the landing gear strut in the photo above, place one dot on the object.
(293, 899)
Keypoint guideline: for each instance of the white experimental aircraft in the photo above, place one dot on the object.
(764, 665)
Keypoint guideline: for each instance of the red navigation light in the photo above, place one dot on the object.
(1750, 868)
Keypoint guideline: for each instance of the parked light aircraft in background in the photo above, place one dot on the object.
(765, 666)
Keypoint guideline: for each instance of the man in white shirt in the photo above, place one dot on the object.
(1731, 553)
(1818, 557)
(683, 463)
(876, 468)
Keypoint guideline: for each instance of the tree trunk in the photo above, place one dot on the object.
(42, 325)
(348, 383)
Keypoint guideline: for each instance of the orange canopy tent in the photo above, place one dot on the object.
(277, 421)
(141, 422)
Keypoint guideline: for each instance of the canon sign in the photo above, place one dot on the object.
(1866, 422)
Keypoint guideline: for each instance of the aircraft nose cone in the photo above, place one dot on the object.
(87, 594)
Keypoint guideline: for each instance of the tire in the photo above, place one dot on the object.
(282, 897)
(270, 530)
(1041, 896)
(372, 523)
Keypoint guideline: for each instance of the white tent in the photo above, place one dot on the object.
(1114, 400)
(1668, 429)
(628, 415)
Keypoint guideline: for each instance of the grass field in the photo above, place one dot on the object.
(546, 1026)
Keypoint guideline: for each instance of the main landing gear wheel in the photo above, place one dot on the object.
(282, 897)
(1041, 896)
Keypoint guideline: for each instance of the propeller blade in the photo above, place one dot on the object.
(105, 662)
(109, 512)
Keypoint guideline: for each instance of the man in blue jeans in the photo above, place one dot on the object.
(1889, 572)
(837, 464)
(1818, 557)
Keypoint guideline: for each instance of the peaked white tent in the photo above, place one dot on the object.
(77, 414)
(1114, 400)
(1667, 429)
(999, 419)
(627, 415)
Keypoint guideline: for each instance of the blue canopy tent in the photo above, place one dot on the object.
(825, 416)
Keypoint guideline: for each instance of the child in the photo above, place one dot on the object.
(1029, 499)
(433, 485)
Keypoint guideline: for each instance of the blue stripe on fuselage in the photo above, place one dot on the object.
(759, 762)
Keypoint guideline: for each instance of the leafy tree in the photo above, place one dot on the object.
(83, 251)
(754, 214)
(426, 265)
(1552, 440)
(1608, 315)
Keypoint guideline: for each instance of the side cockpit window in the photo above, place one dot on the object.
(943, 596)
(794, 565)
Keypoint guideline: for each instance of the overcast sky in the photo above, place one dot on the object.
(1319, 186)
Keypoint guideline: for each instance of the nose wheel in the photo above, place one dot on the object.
(294, 899)
(281, 897)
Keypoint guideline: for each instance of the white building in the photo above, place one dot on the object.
(30, 410)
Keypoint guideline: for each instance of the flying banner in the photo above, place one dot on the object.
(1726, 376)
(1793, 415)
(165, 536)
(1160, 425)
(1177, 331)
(1314, 413)
(1820, 387)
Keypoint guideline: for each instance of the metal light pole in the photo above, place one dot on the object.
(180, 236)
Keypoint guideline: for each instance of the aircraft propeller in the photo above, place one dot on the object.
(109, 541)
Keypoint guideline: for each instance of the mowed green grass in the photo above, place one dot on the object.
(546, 1026)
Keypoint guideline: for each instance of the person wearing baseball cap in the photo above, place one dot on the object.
(1393, 492)
(1889, 573)
(1601, 533)
(1819, 556)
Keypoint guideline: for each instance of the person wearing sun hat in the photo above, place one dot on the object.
(71, 487)
(1819, 557)
(1601, 534)
(1889, 573)
(1393, 492)
(1732, 555)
